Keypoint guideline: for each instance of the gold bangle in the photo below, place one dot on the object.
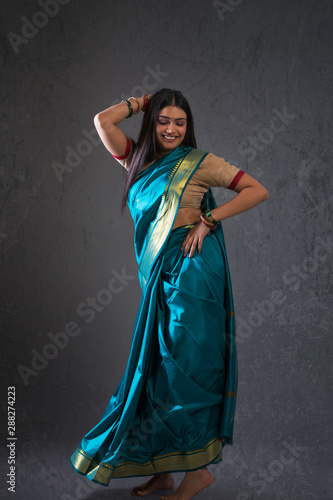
(140, 107)
(135, 99)
(210, 217)
(205, 220)
(206, 223)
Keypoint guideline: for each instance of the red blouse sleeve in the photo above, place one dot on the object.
(128, 147)
(236, 179)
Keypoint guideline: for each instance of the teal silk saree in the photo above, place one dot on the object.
(174, 407)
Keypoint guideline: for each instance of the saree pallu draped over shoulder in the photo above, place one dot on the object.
(174, 407)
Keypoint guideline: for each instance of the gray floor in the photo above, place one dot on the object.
(44, 472)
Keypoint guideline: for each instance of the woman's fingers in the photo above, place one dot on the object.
(193, 246)
(187, 239)
(187, 247)
(190, 245)
(184, 243)
(193, 239)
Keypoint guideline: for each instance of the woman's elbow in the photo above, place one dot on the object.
(100, 121)
(263, 194)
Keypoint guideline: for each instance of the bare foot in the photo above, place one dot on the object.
(192, 484)
(158, 482)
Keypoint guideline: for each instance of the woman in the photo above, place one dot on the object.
(174, 408)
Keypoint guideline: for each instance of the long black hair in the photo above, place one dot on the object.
(145, 149)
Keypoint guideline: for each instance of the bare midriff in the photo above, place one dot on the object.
(186, 216)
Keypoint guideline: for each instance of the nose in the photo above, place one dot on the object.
(170, 128)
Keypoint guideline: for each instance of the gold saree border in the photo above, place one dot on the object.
(169, 462)
(167, 209)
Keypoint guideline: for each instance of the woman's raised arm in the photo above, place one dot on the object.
(106, 123)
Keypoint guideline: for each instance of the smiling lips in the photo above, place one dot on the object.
(169, 138)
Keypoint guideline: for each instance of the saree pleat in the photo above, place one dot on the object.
(174, 407)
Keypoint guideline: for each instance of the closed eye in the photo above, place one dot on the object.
(166, 123)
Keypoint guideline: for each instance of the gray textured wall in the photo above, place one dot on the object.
(258, 77)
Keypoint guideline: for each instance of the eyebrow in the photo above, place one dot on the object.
(163, 116)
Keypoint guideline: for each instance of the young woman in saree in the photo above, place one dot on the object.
(174, 408)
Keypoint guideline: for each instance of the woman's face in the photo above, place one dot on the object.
(170, 128)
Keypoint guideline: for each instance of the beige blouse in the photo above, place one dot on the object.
(212, 172)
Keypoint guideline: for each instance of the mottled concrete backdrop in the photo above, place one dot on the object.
(258, 75)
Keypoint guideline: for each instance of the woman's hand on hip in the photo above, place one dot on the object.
(194, 238)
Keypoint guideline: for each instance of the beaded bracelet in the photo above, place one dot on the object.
(139, 107)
